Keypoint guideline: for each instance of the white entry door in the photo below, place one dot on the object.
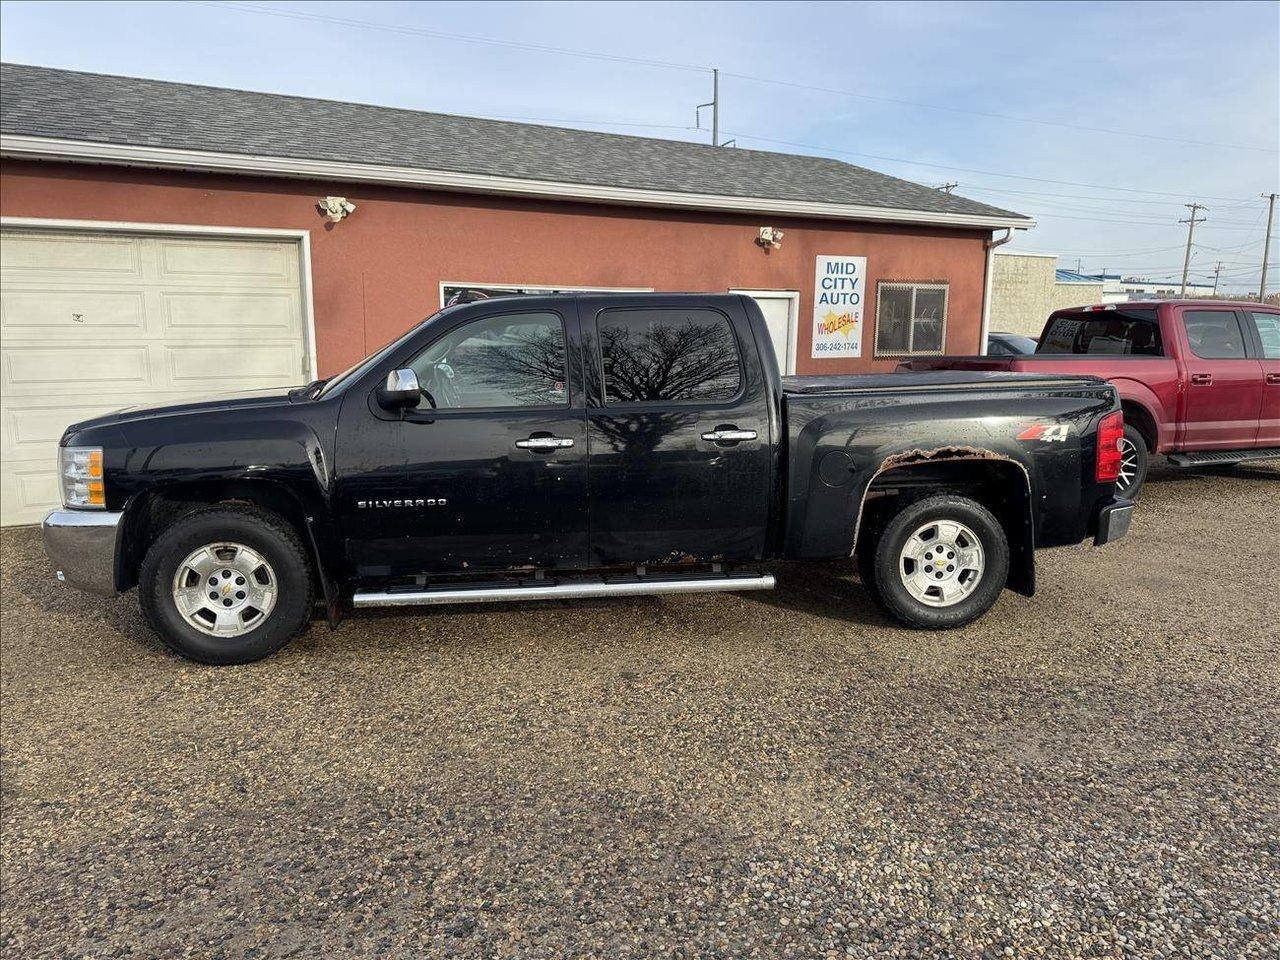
(94, 321)
(780, 308)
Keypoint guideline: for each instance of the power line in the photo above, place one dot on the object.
(673, 65)
(442, 35)
(985, 173)
(1109, 211)
(599, 56)
(996, 116)
(585, 120)
(970, 185)
(699, 68)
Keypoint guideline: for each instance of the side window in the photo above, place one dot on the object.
(512, 360)
(668, 355)
(1214, 334)
(1268, 325)
(911, 318)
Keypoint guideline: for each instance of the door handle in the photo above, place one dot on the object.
(543, 444)
(1202, 379)
(1273, 378)
(728, 435)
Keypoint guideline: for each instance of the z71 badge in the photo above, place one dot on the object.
(1048, 432)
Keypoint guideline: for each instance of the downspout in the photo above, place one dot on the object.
(986, 290)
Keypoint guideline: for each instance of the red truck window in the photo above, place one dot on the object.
(1268, 325)
(1120, 332)
(1214, 334)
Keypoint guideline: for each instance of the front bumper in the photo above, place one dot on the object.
(83, 546)
(1113, 521)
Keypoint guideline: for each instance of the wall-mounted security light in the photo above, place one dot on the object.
(770, 238)
(336, 208)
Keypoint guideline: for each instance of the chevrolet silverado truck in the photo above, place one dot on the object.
(1199, 380)
(569, 446)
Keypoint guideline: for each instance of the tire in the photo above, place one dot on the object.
(1135, 458)
(962, 593)
(255, 564)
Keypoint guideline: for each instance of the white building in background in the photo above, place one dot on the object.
(1120, 289)
(1137, 288)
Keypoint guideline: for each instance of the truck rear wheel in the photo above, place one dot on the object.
(227, 584)
(940, 562)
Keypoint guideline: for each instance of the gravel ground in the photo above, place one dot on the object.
(1094, 772)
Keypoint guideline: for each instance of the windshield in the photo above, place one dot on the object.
(355, 372)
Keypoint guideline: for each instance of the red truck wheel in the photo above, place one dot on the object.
(1133, 463)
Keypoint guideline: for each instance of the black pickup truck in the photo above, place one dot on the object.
(553, 447)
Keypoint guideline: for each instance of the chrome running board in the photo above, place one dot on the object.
(573, 590)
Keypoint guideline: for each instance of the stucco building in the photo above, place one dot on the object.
(163, 240)
(1026, 288)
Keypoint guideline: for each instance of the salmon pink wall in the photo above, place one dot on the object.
(379, 271)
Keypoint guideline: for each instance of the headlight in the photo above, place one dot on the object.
(81, 471)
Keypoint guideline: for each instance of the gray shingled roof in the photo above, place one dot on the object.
(41, 102)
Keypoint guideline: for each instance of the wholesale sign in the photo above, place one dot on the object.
(838, 293)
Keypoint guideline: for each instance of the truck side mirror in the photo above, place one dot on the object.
(400, 390)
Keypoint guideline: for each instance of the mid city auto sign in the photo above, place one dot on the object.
(838, 293)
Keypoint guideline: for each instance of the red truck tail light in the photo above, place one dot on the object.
(1110, 433)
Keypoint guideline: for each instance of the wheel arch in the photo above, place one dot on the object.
(1143, 409)
(999, 483)
(150, 513)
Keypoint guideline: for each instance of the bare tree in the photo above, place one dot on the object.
(688, 361)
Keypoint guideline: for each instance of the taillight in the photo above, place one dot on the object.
(1110, 433)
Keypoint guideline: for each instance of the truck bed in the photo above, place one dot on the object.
(844, 431)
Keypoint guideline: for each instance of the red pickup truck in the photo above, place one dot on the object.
(1199, 380)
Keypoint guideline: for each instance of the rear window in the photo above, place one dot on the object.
(1108, 332)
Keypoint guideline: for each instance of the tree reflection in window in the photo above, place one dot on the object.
(668, 355)
(515, 360)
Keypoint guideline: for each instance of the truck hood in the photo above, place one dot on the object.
(246, 399)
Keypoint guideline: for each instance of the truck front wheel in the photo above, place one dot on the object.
(940, 562)
(226, 584)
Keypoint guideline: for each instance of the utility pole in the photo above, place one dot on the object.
(1191, 222)
(715, 109)
(947, 187)
(1217, 269)
(1266, 247)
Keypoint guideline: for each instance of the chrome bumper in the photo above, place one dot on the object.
(83, 546)
(1113, 521)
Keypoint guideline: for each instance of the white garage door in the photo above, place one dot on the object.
(91, 322)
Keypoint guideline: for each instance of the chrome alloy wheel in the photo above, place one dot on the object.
(1128, 464)
(941, 563)
(224, 589)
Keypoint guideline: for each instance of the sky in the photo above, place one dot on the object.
(1099, 119)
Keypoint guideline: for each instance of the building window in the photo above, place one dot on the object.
(911, 318)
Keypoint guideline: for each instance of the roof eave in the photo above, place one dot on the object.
(80, 151)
